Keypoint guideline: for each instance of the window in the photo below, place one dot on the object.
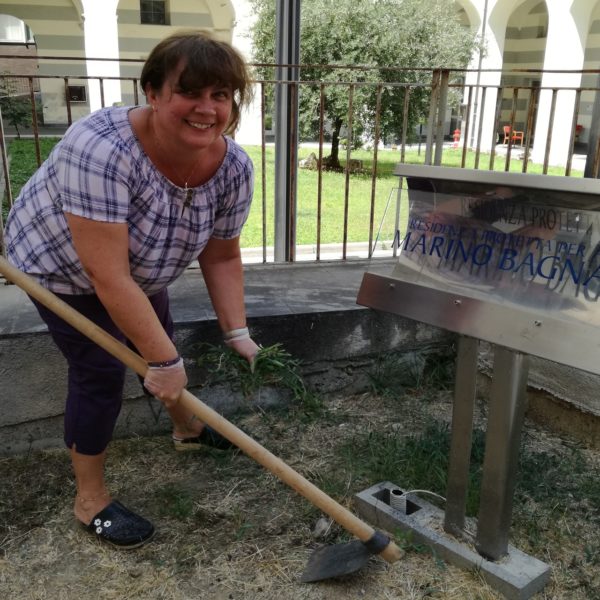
(77, 93)
(14, 31)
(153, 12)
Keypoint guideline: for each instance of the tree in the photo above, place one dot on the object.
(16, 108)
(375, 33)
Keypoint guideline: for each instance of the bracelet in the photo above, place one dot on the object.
(235, 334)
(164, 363)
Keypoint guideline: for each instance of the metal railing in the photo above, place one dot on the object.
(479, 145)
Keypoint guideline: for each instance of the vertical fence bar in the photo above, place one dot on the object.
(549, 136)
(320, 167)
(69, 115)
(293, 168)
(441, 116)
(573, 134)
(348, 157)
(34, 123)
(405, 108)
(136, 98)
(596, 163)
(513, 114)
(101, 82)
(480, 130)
(496, 126)
(6, 182)
(433, 107)
(263, 164)
(533, 99)
(374, 166)
(463, 159)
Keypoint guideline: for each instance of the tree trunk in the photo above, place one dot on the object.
(333, 160)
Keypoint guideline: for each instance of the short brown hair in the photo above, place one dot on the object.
(206, 61)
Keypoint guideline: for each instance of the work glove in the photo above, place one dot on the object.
(239, 341)
(166, 381)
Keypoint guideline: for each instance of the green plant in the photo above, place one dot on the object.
(175, 501)
(415, 462)
(273, 367)
(393, 375)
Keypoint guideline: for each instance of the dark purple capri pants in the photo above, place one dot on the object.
(95, 378)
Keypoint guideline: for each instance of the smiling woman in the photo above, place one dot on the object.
(124, 203)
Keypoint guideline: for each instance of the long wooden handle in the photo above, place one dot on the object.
(252, 448)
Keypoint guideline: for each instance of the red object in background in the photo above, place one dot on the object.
(456, 138)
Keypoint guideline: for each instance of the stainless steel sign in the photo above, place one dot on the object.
(521, 251)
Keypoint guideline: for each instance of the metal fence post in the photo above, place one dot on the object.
(287, 56)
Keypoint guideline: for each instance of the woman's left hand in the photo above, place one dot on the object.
(245, 347)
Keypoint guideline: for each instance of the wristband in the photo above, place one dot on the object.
(236, 334)
(164, 363)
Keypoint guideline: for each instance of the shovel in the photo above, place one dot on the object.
(326, 562)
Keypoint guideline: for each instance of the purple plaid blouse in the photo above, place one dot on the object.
(99, 171)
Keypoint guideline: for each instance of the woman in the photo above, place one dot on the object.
(124, 203)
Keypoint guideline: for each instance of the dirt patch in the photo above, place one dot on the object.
(227, 529)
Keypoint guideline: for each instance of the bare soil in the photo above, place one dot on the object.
(227, 529)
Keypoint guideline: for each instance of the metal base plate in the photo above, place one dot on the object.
(517, 576)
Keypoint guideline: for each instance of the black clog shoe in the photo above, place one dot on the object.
(120, 527)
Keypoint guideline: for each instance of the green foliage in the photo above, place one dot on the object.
(401, 33)
(23, 163)
(273, 367)
(548, 482)
(175, 501)
(567, 478)
(394, 375)
(16, 107)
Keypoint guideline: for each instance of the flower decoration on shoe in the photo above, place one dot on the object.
(121, 527)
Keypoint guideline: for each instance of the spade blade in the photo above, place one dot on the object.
(334, 561)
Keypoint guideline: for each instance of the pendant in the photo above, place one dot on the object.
(187, 201)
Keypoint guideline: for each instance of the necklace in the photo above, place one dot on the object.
(187, 191)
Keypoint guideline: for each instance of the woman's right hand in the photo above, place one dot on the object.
(166, 383)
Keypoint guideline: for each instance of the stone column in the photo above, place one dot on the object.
(249, 131)
(568, 24)
(102, 41)
(492, 32)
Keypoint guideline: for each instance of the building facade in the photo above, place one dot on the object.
(119, 29)
(559, 37)
(556, 36)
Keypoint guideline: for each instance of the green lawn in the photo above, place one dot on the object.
(333, 194)
(359, 196)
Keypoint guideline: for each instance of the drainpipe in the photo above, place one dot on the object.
(287, 52)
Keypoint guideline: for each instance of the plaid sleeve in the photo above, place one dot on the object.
(93, 170)
(236, 198)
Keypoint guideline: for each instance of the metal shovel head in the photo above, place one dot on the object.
(334, 561)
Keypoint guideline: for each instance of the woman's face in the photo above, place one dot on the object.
(194, 120)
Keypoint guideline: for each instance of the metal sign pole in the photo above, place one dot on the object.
(462, 428)
(505, 421)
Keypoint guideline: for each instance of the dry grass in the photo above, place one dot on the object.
(227, 529)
